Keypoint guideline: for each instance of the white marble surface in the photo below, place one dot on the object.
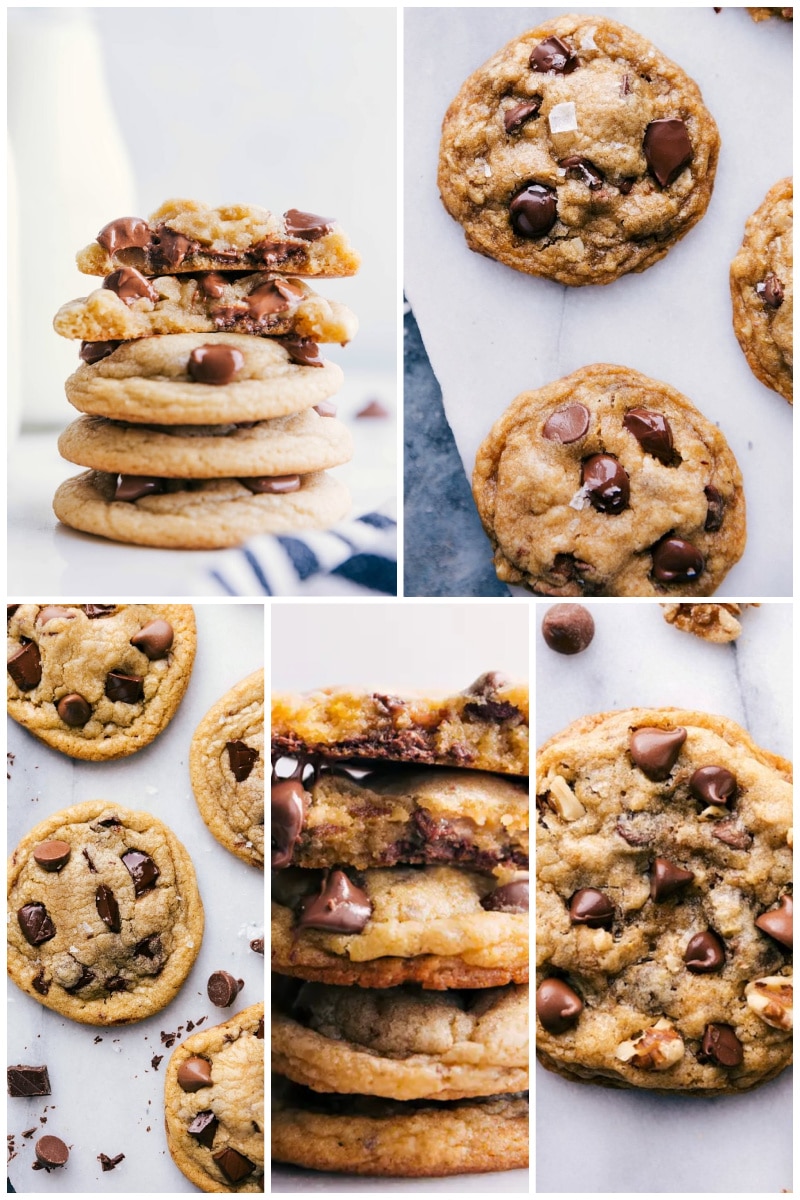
(632, 1141)
(492, 332)
(106, 1097)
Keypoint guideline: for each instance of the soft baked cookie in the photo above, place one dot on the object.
(664, 909)
(402, 1043)
(98, 681)
(199, 514)
(484, 727)
(297, 444)
(105, 919)
(609, 483)
(178, 380)
(578, 152)
(340, 816)
(214, 1105)
(226, 764)
(762, 290)
(363, 1135)
(443, 927)
(711, 622)
(131, 306)
(187, 235)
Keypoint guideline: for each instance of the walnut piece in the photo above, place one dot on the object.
(771, 1000)
(657, 1049)
(712, 622)
(564, 800)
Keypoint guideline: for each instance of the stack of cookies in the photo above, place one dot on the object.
(207, 405)
(400, 930)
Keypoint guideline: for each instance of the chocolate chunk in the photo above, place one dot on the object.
(170, 247)
(51, 612)
(257, 945)
(307, 226)
(25, 667)
(591, 907)
(568, 628)
(51, 1152)
(533, 211)
(86, 976)
(373, 408)
(94, 611)
(107, 908)
(713, 785)
(261, 485)
(142, 870)
(339, 906)
(666, 879)
(194, 1073)
(214, 364)
(514, 118)
(149, 947)
(92, 352)
(259, 1030)
(715, 511)
(677, 561)
(10, 610)
(154, 639)
(607, 484)
(211, 284)
(223, 989)
(40, 984)
(130, 285)
(108, 1164)
(203, 1127)
(241, 758)
(74, 710)
(626, 186)
(580, 168)
(36, 923)
(557, 1005)
(652, 432)
(305, 353)
(116, 984)
(721, 1046)
(779, 922)
(125, 688)
(655, 751)
(732, 835)
(233, 1165)
(667, 149)
(133, 487)
(53, 855)
(553, 57)
(704, 953)
(496, 711)
(512, 897)
(631, 834)
(567, 424)
(771, 291)
(124, 233)
(326, 408)
(28, 1081)
(289, 805)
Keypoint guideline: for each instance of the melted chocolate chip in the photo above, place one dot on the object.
(558, 1007)
(667, 879)
(704, 953)
(289, 805)
(713, 785)
(133, 487)
(154, 639)
(715, 510)
(567, 424)
(214, 364)
(580, 168)
(25, 667)
(607, 484)
(51, 612)
(554, 57)
(92, 352)
(677, 561)
(272, 484)
(107, 908)
(731, 834)
(721, 1046)
(241, 758)
(655, 751)
(667, 149)
(771, 291)
(74, 710)
(307, 226)
(142, 870)
(273, 297)
(169, 248)
(303, 351)
(533, 211)
(211, 284)
(129, 284)
(514, 118)
(94, 611)
(512, 897)
(127, 689)
(591, 907)
(652, 432)
(339, 906)
(36, 923)
(124, 233)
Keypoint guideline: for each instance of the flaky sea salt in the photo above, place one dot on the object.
(563, 118)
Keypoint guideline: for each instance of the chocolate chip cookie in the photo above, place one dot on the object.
(762, 290)
(609, 483)
(578, 152)
(664, 907)
(98, 681)
(105, 919)
(226, 763)
(402, 1043)
(214, 1105)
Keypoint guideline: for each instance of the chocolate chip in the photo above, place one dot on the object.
(149, 947)
(779, 922)
(194, 1073)
(133, 487)
(94, 611)
(591, 907)
(28, 1081)
(626, 185)
(607, 484)
(142, 870)
(568, 628)
(307, 226)
(554, 57)
(92, 352)
(512, 897)
(53, 855)
(124, 233)
(259, 1030)
(533, 211)
(289, 805)
(257, 945)
(129, 284)
(514, 118)
(40, 984)
(557, 1005)
(704, 953)
(25, 667)
(713, 785)
(51, 1152)
(154, 639)
(567, 424)
(125, 688)
(107, 908)
(339, 906)
(52, 612)
(580, 168)
(36, 923)
(715, 511)
(223, 989)
(666, 879)
(273, 297)
(721, 1046)
(731, 834)
(242, 758)
(303, 351)
(667, 149)
(214, 364)
(655, 751)
(203, 1127)
(771, 291)
(211, 284)
(677, 561)
(652, 432)
(272, 484)
(170, 247)
(108, 1164)
(326, 408)
(74, 710)
(233, 1165)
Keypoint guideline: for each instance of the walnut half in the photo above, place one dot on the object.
(657, 1049)
(771, 999)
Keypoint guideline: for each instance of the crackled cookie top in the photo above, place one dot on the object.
(214, 1105)
(403, 1043)
(187, 235)
(664, 909)
(762, 290)
(609, 483)
(105, 919)
(226, 763)
(98, 681)
(578, 152)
